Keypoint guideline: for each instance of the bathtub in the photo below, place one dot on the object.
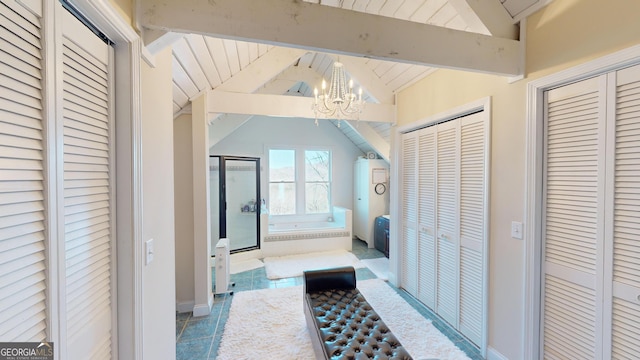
(304, 226)
(290, 238)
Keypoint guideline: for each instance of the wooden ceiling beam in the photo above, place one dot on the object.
(284, 106)
(323, 28)
(380, 145)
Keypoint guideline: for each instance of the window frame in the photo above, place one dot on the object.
(300, 183)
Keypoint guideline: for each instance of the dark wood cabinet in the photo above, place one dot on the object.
(381, 234)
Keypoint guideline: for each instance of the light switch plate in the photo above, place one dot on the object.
(516, 230)
(148, 251)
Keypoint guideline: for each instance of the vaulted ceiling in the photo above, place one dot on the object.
(256, 51)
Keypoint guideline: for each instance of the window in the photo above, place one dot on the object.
(282, 182)
(317, 185)
(299, 181)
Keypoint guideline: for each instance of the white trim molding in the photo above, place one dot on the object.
(466, 109)
(185, 306)
(493, 354)
(56, 296)
(533, 180)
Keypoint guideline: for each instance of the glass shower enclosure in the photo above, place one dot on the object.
(235, 201)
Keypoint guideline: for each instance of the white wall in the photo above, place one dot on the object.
(158, 209)
(254, 136)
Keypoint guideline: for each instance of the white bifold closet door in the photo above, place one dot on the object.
(410, 275)
(427, 216)
(447, 173)
(23, 273)
(445, 167)
(625, 291)
(591, 227)
(88, 191)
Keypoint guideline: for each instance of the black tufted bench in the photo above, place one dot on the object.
(341, 322)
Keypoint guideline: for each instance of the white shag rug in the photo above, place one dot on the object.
(279, 267)
(245, 265)
(270, 324)
(378, 266)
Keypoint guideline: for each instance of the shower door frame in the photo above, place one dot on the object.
(222, 193)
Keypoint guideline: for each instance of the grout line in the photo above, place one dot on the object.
(215, 331)
(181, 330)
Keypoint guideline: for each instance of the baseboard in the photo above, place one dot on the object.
(185, 306)
(203, 309)
(493, 354)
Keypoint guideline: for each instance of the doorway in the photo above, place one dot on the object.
(235, 202)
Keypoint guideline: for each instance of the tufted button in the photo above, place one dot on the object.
(351, 329)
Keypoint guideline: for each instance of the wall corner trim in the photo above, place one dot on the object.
(203, 309)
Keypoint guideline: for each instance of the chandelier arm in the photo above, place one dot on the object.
(340, 100)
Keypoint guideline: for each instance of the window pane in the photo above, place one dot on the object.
(317, 165)
(317, 198)
(282, 165)
(282, 198)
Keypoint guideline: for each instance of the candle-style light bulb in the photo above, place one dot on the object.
(324, 85)
(360, 94)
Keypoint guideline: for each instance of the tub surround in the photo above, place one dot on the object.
(290, 238)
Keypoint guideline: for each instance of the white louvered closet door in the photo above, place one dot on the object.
(448, 173)
(574, 220)
(409, 213)
(625, 304)
(23, 303)
(426, 216)
(450, 169)
(472, 217)
(87, 64)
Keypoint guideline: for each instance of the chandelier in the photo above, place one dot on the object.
(339, 102)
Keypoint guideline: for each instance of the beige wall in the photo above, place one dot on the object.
(125, 9)
(158, 209)
(183, 177)
(561, 35)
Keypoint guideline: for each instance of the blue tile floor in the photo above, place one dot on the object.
(198, 338)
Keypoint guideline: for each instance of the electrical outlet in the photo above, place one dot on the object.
(148, 251)
(516, 230)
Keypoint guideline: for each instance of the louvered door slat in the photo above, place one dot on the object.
(566, 303)
(573, 219)
(87, 182)
(447, 221)
(102, 351)
(20, 46)
(409, 214)
(22, 241)
(472, 225)
(626, 327)
(626, 218)
(426, 216)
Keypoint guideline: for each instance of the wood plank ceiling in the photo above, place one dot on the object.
(203, 62)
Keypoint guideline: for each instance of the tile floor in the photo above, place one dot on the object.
(199, 338)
